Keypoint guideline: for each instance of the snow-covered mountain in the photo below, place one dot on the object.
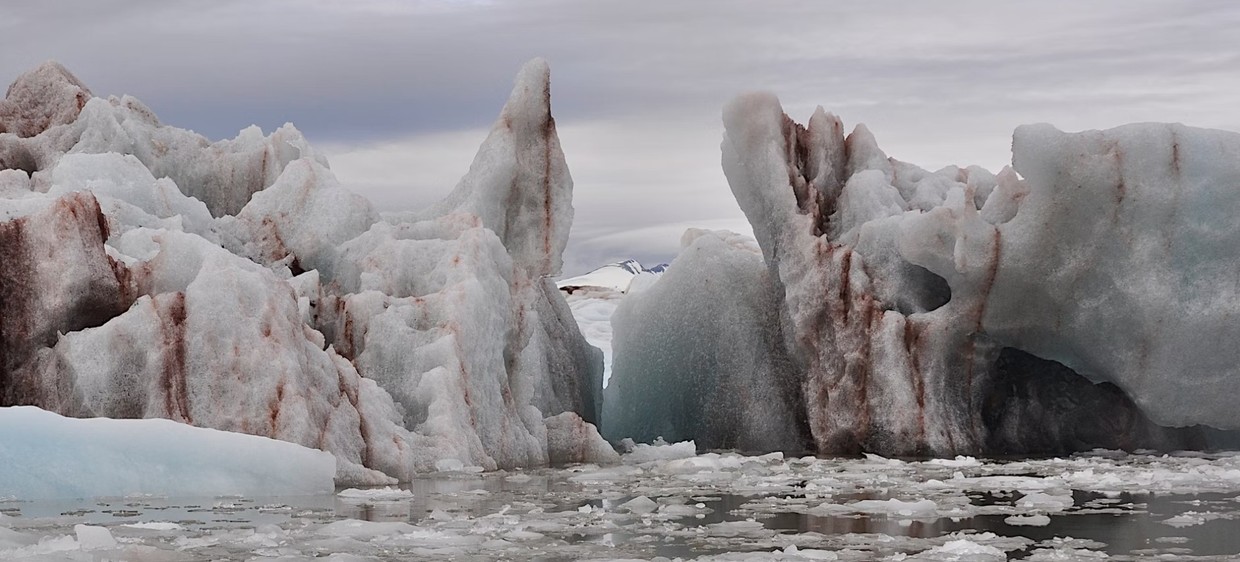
(613, 276)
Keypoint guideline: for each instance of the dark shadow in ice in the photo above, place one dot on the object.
(924, 290)
(1038, 406)
(15, 156)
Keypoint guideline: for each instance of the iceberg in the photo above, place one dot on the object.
(47, 456)
(1075, 300)
(699, 356)
(237, 285)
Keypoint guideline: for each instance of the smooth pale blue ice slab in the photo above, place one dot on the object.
(47, 456)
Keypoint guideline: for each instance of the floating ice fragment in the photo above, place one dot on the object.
(1028, 520)
(660, 450)
(1188, 519)
(49, 456)
(386, 493)
(91, 537)
(362, 530)
(1039, 500)
(640, 504)
(962, 550)
(154, 526)
(959, 462)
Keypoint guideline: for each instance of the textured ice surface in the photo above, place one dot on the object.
(46, 456)
(699, 354)
(147, 272)
(653, 505)
(1074, 305)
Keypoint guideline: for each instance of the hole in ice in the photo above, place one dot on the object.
(1039, 406)
(924, 291)
(14, 156)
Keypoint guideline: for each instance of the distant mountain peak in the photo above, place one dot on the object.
(614, 276)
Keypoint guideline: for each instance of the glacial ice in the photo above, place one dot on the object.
(1076, 300)
(698, 355)
(46, 456)
(237, 285)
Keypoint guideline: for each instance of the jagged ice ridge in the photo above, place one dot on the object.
(146, 272)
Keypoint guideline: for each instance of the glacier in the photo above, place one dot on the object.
(1081, 298)
(146, 272)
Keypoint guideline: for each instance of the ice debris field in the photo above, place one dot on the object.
(248, 336)
(668, 502)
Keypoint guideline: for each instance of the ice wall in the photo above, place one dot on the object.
(1083, 305)
(394, 344)
(699, 355)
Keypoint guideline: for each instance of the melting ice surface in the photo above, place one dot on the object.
(666, 501)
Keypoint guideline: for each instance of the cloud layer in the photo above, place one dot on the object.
(402, 92)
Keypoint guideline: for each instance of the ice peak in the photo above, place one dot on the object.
(45, 96)
(529, 104)
(519, 183)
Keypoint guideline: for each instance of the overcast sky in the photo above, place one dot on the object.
(401, 93)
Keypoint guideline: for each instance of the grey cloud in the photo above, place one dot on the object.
(638, 86)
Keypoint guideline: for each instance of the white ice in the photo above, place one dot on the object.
(238, 285)
(47, 456)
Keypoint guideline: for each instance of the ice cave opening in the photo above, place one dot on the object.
(1038, 406)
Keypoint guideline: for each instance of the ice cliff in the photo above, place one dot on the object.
(236, 285)
(1085, 297)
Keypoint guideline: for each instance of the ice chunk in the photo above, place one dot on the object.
(1045, 501)
(385, 493)
(1028, 520)
(364, 530)
(47, 456)
(660, 451)
(962, 550)
(91, 537)
(46, 96)
(571, 439)
(155, 526)
(639, 504)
